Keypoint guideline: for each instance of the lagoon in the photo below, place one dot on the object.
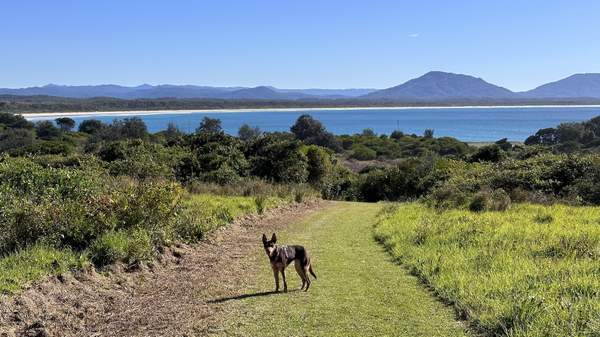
(471, 124)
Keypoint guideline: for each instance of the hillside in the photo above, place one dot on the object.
(578, 85)
(439, 86)
(181, 92)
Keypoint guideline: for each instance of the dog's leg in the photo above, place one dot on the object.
(300, 273)
(284, 282)
(308, 281)
(276, 275)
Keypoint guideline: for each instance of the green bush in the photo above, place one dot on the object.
(72, 207)
(121, 246)
(361, 152)
(479, 202)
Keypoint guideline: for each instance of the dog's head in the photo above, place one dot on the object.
(270, 245)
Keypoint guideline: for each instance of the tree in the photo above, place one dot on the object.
(428, 133)
(14, 121)
(130, 128)
(278, 157)
(209, 125)
(46, 130)
(91, 126)
(491, 153)
(246, 132)
(173, 135)
(397, 134)
(307, 127)
(311, 131)
(504, 144)
(368, 132)
(319, 164)
(65, 123)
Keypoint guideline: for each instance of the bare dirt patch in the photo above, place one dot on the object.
(176, 295)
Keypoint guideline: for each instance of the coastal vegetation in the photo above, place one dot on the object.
(40, 104)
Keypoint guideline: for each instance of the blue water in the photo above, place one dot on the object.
(467, 124)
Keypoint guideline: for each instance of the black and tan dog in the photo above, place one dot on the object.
(282, 256)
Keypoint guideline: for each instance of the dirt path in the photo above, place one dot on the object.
(359, 290)
(171, 297)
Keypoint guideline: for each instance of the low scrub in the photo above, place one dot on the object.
(531, 270)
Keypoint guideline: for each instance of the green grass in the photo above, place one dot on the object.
(22, 268)
(529, 271)
(201, 214)
(359, 291)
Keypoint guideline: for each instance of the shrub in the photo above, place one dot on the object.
(91, 126)
(480, 201)
(499, 200)
(121, 246)
(361, 152)
(278, 158)
(319, 164)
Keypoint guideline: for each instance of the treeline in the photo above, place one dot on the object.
(33, 104)
(569, 137)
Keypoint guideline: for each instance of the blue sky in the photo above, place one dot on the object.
(295, 44)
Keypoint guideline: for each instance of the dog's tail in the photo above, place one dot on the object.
(311, 271)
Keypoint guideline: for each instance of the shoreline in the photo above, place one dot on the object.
(50, 115)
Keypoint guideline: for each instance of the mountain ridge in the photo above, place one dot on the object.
(433, 86)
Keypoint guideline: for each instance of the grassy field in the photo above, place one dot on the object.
(529, 271)
(200, 213)
(359, 290)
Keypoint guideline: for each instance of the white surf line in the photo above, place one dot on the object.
(50, 115)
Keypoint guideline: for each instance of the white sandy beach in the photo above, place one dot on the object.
(51, 115)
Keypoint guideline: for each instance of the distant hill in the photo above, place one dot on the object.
(575, 86)
(434, 87)
(182, 91)
(261, 92)
(328, 93)
(441, 86)
(117, 91)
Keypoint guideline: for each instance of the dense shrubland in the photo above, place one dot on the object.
(443, 170)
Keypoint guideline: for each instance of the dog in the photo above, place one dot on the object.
(281, 256)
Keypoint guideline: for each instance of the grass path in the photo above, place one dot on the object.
(359, 291)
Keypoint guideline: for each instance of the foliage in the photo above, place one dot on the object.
(311, 131)
(65, 123)
(209, 125)
(361, 152)
(124, 246)
(91, 126)
(277, 157)
(508, 273)
(247, 133)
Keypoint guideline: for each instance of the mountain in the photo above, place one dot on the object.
(183, 91)
(575, 86)
(261, 92)
(440, 86)
(328, 93)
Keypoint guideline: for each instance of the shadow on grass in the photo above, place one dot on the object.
(244, 296)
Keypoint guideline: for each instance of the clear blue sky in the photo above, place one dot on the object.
(295, 44)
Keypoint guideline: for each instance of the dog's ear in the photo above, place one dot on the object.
(274, 238)
(264, 238)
